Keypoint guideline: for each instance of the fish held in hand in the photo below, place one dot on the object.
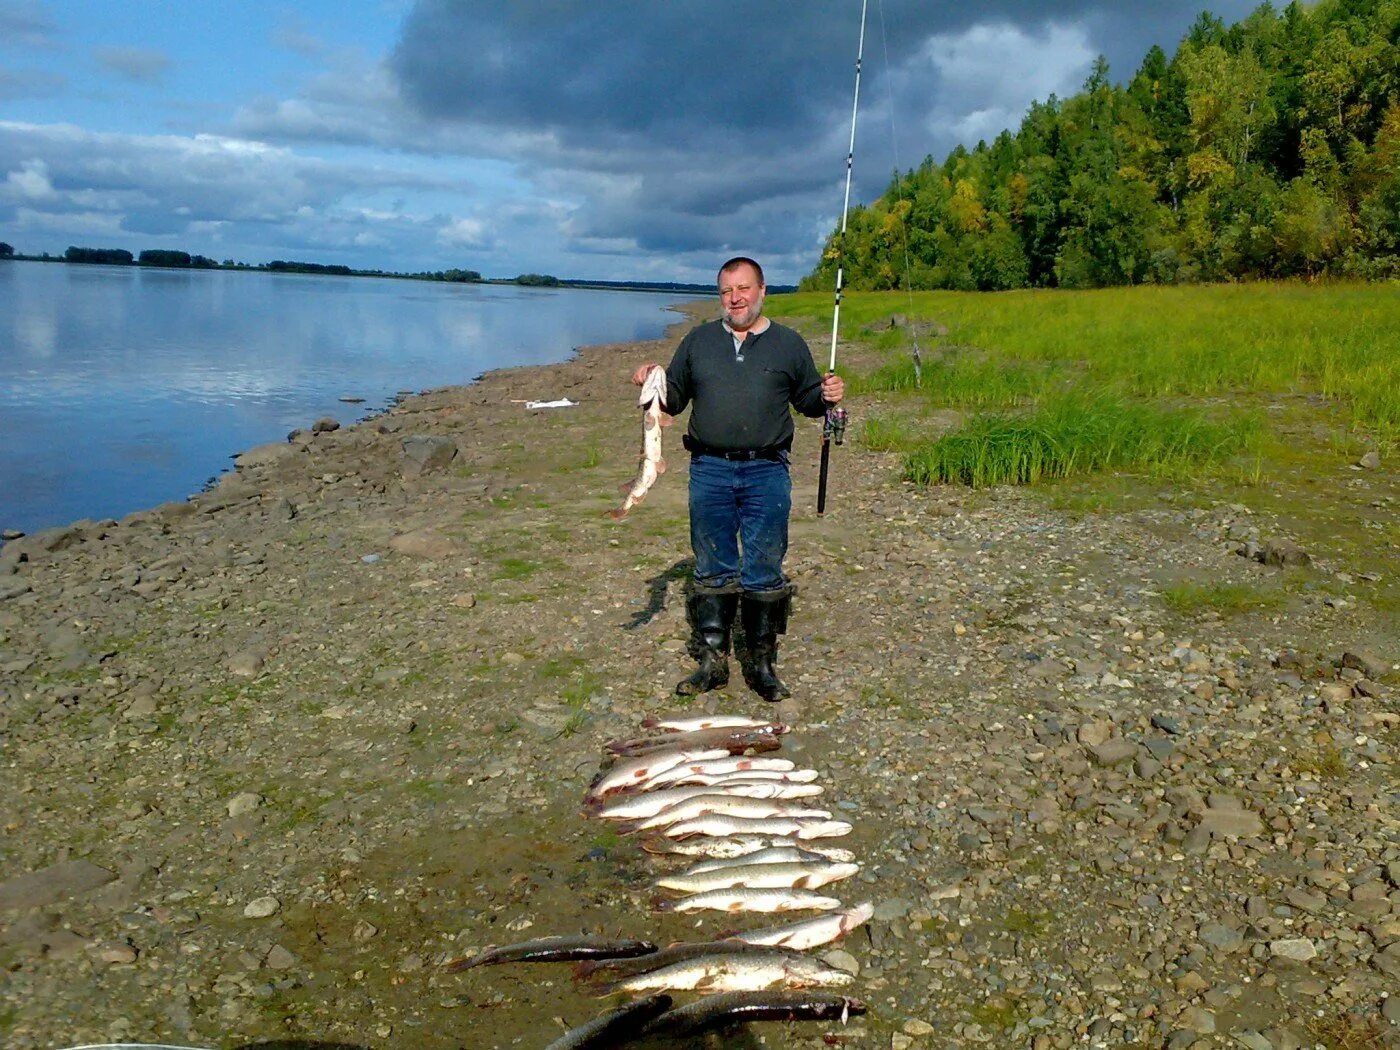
(555, 949)
(652, 401)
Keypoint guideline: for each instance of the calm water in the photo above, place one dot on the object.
(121, 388)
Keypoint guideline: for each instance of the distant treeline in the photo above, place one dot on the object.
(1270, 148)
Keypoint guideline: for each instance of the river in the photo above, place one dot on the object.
(122, 387)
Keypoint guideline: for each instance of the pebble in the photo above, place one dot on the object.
(261, 908)
(1299, 949)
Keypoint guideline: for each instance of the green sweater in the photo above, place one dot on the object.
(740, 400)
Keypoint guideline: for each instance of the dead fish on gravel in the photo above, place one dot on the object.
(736, 846)
(691, 737)
(748, 971)
(634, 772)
(719, 825)
(555, 949)
(733, 741)
(689, 724)
(809, 933)
(770, 855)
(614, 1027)
(719, 803)
(673, 953)
(742, 899)
(734, 1008)
(802, 874)
(639, 805)
(651, 466)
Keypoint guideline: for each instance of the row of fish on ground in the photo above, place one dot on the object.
(708, 792)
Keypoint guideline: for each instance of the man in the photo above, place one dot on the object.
(740, 374)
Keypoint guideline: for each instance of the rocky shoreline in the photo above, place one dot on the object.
(274, 753)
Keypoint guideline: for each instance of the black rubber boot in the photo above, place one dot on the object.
(764, 615)
(711, 616)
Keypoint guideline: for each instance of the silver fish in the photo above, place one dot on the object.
(555, 949)
(652, 401)
(718, 824)
(770, 855)
(810, 932)
(741, 899)
(800, 874)
(683, 724)
(704, 846)
(720, 803)
(635, 772)
(643, 804)
(726, 973)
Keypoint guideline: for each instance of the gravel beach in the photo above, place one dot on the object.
(274, 754)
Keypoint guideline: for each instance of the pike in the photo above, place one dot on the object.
(810, 932)
(684, 724)
(554, 949)
(652, 400)
(743, 899)
(771, 855)
(614, 1027)
(720, 825)
(615, 969)
(802, 875)
(733, 1008)
(727, 805)
(736, 741)
(727, 973)
(634, 772)
(645, 804)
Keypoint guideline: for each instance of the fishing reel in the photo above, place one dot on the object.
(834, 426)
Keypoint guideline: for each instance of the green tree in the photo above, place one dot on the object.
(6, 250)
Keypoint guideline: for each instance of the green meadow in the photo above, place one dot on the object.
(1178, 381)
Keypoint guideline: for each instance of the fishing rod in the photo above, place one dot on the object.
(834, 426)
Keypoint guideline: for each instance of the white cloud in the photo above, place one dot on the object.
(464, 233)
(30, 182)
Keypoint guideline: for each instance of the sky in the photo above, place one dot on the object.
(614, 140)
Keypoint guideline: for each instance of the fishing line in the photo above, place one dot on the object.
(899, 187)
(834, 427)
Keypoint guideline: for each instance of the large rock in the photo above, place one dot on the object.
(264, 455)
(57, 882)
(1232, 823)
(425, 453)
(424, 543)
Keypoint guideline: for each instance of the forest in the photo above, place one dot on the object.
(1265, 149)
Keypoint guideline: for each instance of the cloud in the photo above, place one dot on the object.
(23, 24)
(143, 65)
(29, 83)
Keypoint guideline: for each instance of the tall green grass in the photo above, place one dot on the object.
(1070, 436)
(1145, 343)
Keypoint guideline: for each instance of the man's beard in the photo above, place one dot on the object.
(750, 315)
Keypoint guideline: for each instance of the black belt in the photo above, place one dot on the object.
(699, 448)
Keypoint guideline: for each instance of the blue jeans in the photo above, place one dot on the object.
(734, 504)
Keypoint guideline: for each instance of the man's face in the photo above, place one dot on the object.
(741, 292)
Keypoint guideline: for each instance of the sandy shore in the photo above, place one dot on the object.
(273, 754)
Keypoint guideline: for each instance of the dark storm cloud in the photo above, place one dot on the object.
(705, 116)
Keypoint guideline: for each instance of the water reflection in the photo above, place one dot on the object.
(123, 387)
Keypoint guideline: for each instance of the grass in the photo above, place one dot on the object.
(1189, 599)
(1325, 762)
(1348, 1032)
(1070, 436)
(1147, 343)
(886, 434)
(1026, 923)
